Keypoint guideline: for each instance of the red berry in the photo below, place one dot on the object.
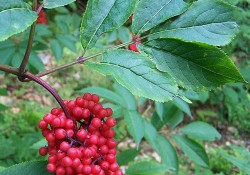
(114, 167)
(86, 169)
(72, 152)
(96, 169)
(52, 158)
(77, 112)
(95, 98)
(110, 122)
(76, 162)
(82, 134)
(67, 161)
(109, 112)
(111, 143)
(60, 133)
(64, 146)
(87, 96)
(60, 170)
(85, 113)
(104, 150)
(104, 165)
(96, 122)
(42, 124)
(55, 111)
(51, 167)
(110, 158)
(43, 151)
(48, 118)
(102, 113)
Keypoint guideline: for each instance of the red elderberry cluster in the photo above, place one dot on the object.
(83, 144)
(41, 17)
(133, 46)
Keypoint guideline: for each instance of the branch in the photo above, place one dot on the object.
(29, 45)
(9, 69)
(50, 89)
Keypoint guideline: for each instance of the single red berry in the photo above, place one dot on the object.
(71, 104)
(110, 158)
(77, 112)
(52, 158)
(110, 122)
(114, 167)
(64, 146)
(82, 134)
(43, 151)
(87, 96)
(55, 111)
(104, 165)
(67, 161)
(86, 169)
(96, 122)
(60, 170)
(80, 101)
(56, 122)
(48, 118)
(69, 124)
(102, 113)
(69, 171)
(104, 150)
(51, 167)
(95, 98)
(85, 113)
(93, 139)
(60, 155)
(42, 124)
(109, 112)
(60, 133)
(111, 143)
(119, 172)
(72, 153)
(95, 169)
(50, 137)
(76, 162)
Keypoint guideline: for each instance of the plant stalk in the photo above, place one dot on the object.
(29, 45)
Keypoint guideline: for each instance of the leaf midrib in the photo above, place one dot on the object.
(153, 16)
(190, 27)
(100, 25)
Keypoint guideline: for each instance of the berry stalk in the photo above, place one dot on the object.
(50, 89)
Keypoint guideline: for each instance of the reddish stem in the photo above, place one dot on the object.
(50, 89)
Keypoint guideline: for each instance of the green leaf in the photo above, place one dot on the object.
(137, 74)
(128, 100)
(149, 14)
(161, 145)
(3, 92)
(201, 130)
(205, 21)
(192, 149)
(31, 168)
(3, 107)
(56, 48)
(172, 116)
(68, 41)
(242, 164)
(150, 134)
(39, 144)
(104, 93)
(183, 106)
(193, 65)
(56, 3)
(159, 108)
(146, 168)
(168, 153)
(35, 61)
(10, 13)
(135, 126)
(123, 34)
(103, 16)
(126, 156)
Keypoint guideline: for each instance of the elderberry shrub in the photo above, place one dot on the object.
(84, 143)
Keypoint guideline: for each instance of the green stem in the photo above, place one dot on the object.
(29, 45)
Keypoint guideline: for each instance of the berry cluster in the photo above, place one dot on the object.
(84, 143)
